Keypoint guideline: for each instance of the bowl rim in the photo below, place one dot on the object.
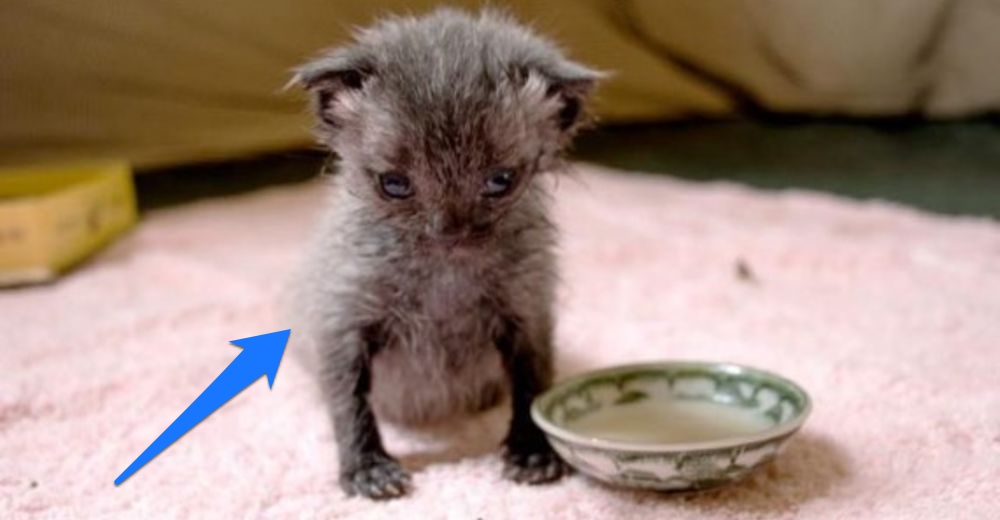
(565, 434)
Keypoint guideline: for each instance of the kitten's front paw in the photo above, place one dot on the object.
(533, 467)
(382, 478)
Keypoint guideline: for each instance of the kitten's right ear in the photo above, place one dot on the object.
(571, 83)
(331, 77)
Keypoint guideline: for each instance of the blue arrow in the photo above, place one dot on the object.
(261, 355)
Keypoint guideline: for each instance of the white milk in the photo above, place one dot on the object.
(670, 421)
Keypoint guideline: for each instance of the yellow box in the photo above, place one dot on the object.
(53, 217)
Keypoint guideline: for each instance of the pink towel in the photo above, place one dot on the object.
(888, 316)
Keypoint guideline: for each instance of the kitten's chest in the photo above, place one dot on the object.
(441, 355)
(433, 285)
(452, 288)
(447, 302)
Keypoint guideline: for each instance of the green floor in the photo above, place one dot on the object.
(944, 167)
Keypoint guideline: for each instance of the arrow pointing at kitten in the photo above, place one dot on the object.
(261, 356)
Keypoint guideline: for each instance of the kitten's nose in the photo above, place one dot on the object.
(446, 225)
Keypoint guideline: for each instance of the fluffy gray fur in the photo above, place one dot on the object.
(437, 304)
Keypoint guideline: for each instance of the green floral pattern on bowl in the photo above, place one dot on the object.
(672, 466)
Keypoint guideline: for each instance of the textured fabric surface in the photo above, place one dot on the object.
(886, 315)
(175, 81)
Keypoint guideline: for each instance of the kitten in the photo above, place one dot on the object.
(428, 291)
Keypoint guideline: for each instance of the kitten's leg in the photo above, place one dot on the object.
(528, 457)
(365, 467)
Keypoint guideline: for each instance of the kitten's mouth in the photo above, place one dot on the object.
(459, 242)
(464, 242)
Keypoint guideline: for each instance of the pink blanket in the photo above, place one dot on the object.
(888, 316)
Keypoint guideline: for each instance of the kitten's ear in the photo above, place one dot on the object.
(572, 83)
(331, 77)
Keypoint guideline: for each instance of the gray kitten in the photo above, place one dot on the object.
(429, 290)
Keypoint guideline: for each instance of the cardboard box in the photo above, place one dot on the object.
(51, 218)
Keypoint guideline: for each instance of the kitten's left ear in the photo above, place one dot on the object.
(572, 83)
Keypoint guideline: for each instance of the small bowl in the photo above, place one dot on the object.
(673, 426)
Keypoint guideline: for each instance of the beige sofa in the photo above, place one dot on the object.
(170, 81)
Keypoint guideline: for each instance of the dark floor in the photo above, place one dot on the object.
(175, 185)
(944, 167)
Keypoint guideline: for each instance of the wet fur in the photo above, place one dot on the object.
(440, 304)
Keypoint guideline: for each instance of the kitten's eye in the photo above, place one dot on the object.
(499, 183)
(395, 185)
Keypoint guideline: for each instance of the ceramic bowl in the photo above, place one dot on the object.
(676, 426)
